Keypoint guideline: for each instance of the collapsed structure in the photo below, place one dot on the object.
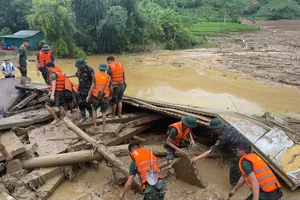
(53, 150)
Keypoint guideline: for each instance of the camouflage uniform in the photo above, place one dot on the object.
(85, 78)
(151, 193)
(230, 137)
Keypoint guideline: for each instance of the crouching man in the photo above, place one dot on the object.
(141, 165)
(257, 174)
(100, 93)
(176, 134)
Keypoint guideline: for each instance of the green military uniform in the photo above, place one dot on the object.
(58, 96)
(85, 76)
(275, 195)
(230, 137)
(118, 90)
(23, 60)
(150, 192)
(171, 152)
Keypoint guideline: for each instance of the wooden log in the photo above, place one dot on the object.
(124, 119)
(103, 150)
(71, 158)
(139, 139)
(143, 120)
(289, 83)
(26, 119)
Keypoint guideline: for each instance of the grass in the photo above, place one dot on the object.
(215, 28)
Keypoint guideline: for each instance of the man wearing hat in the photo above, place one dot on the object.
(8, 68)
(22, 61)
(154, 187)
(43, 57)
(176, 134)
(100, 93)
(228, 137)
(85, 76)
(117, 74)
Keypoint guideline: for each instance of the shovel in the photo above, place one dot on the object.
(151, 176)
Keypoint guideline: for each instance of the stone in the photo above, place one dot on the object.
(12, 144)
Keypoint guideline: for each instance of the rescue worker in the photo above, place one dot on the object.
(100, 93)
(256, 173)
(117, 74)
(74, 94)
(140, 165)
(60, 90)
(3, 150)
(8, 68)
(85, 76)
(228, 137)
(22, 61)
(43, 57)
(176, 134)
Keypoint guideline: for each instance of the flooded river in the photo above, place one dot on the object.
(197, 82)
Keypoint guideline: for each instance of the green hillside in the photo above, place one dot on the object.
(274, 9)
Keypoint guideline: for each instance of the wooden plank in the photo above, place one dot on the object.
(12, 144)
(24, 102)
(143, 120)
(26, 119)
(48, 188)
(125, 118)
(127, 134)
(39, 100)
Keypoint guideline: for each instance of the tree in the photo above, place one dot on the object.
(52, 17)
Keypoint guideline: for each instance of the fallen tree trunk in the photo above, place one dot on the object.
(71, 158)
(103, 150)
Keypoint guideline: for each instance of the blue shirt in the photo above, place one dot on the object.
(8, 68)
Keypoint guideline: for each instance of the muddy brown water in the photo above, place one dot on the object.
(197, 82)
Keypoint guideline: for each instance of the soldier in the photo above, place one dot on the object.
(117, 74)
(228, 137)
(176, 134)
(43, 57)
(85, 76)
(100, 93)
(257, 174)
(60, 91)
(22, 61)
(140, 165)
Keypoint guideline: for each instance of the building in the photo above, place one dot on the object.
(16, 39)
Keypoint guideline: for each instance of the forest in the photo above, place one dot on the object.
(76, 28)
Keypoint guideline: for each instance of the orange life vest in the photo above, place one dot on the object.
(44, 58)
(265, 177)
(117, 72)
(68, 85)
(181, 134)
(142, 157)
(60, 81)
(102, 82)
(75, 85)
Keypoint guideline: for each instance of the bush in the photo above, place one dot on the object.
(5, 31)
(78, 53)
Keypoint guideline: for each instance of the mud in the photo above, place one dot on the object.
(291, 159)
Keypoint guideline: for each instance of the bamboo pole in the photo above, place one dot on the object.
(103, 150)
